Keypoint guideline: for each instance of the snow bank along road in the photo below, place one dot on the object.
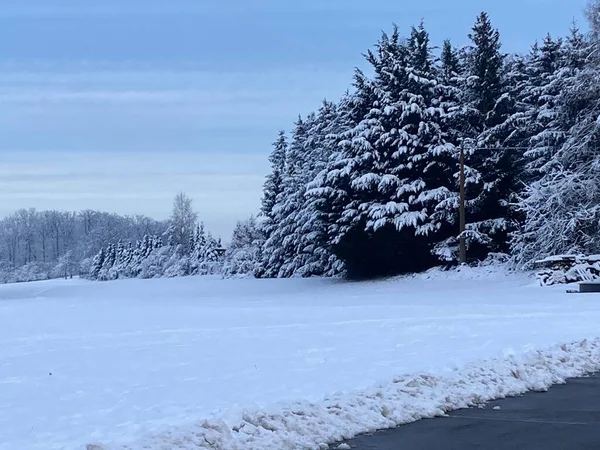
(272, 364)
(565, 417)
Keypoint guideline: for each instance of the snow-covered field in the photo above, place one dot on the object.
(272, 364)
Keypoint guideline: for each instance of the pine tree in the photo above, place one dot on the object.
(109, 261)
(199, 250)
(486, 86)
(561, 205)
(117, 268)
(243, 255)
(494, 158)
(97, 264)
(543, 93)
(128, 258)
(450, 64)
(312, 256)
(369, 185)
(395, 166)
(563, 208)
(273, 187)
(139, 254)
(456, 125)
(331, 189)
(282, 244)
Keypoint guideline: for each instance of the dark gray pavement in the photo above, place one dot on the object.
(567, 417)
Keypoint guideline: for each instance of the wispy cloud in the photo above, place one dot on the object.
(27, 82)
(125, 138)
(225, 187)
(129, 109)
(203, 98)
(54, 8)
(62, 8)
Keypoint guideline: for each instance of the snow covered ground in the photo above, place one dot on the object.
(273, 364)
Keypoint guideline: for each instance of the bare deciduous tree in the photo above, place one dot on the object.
(37, 244)
(183, 221)
(592, 13)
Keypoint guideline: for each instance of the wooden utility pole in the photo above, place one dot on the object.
(461, 209)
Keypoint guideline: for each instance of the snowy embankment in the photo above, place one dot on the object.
(273, 364)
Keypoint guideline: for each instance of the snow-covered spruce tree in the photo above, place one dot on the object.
(109, 261)
(117, 269)
(199, 250)
(562, 207)
(273, 186)
(312, 256)
(437, 160)
(153, 265)
(555, 67)
(282, 245)
(455, 124)
(243, 253)
(272, 193)
(391, 171)
(125, 267)
(205, 258)
(344, 187)
(178, 264)
(97, 264)
(212, 261)
(547, 77)
(331, 190)
(138, 255)
(494, 163)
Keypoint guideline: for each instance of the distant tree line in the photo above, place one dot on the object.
(38, 245)
(183, 248)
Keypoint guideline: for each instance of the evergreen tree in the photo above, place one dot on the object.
(494, 158)
(450, 82)
(435, 158)
(199, 250)
(563, 208)
(486, 85)
(273, 187)
(109, 262)
(450, 64)
(331, 189)
(369, 185)
(127, 264)
(560, 203)
(395, 166)
(353, 182)
(97, 264)
(543, 94)
(243, 255)
(281, 245)
(313, 257)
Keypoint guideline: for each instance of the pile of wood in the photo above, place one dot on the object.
(565, 269)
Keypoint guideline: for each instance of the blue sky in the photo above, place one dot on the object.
(119, 104)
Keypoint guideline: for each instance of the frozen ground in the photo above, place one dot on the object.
(272, 364)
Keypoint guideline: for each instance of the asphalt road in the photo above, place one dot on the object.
(567, 417)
